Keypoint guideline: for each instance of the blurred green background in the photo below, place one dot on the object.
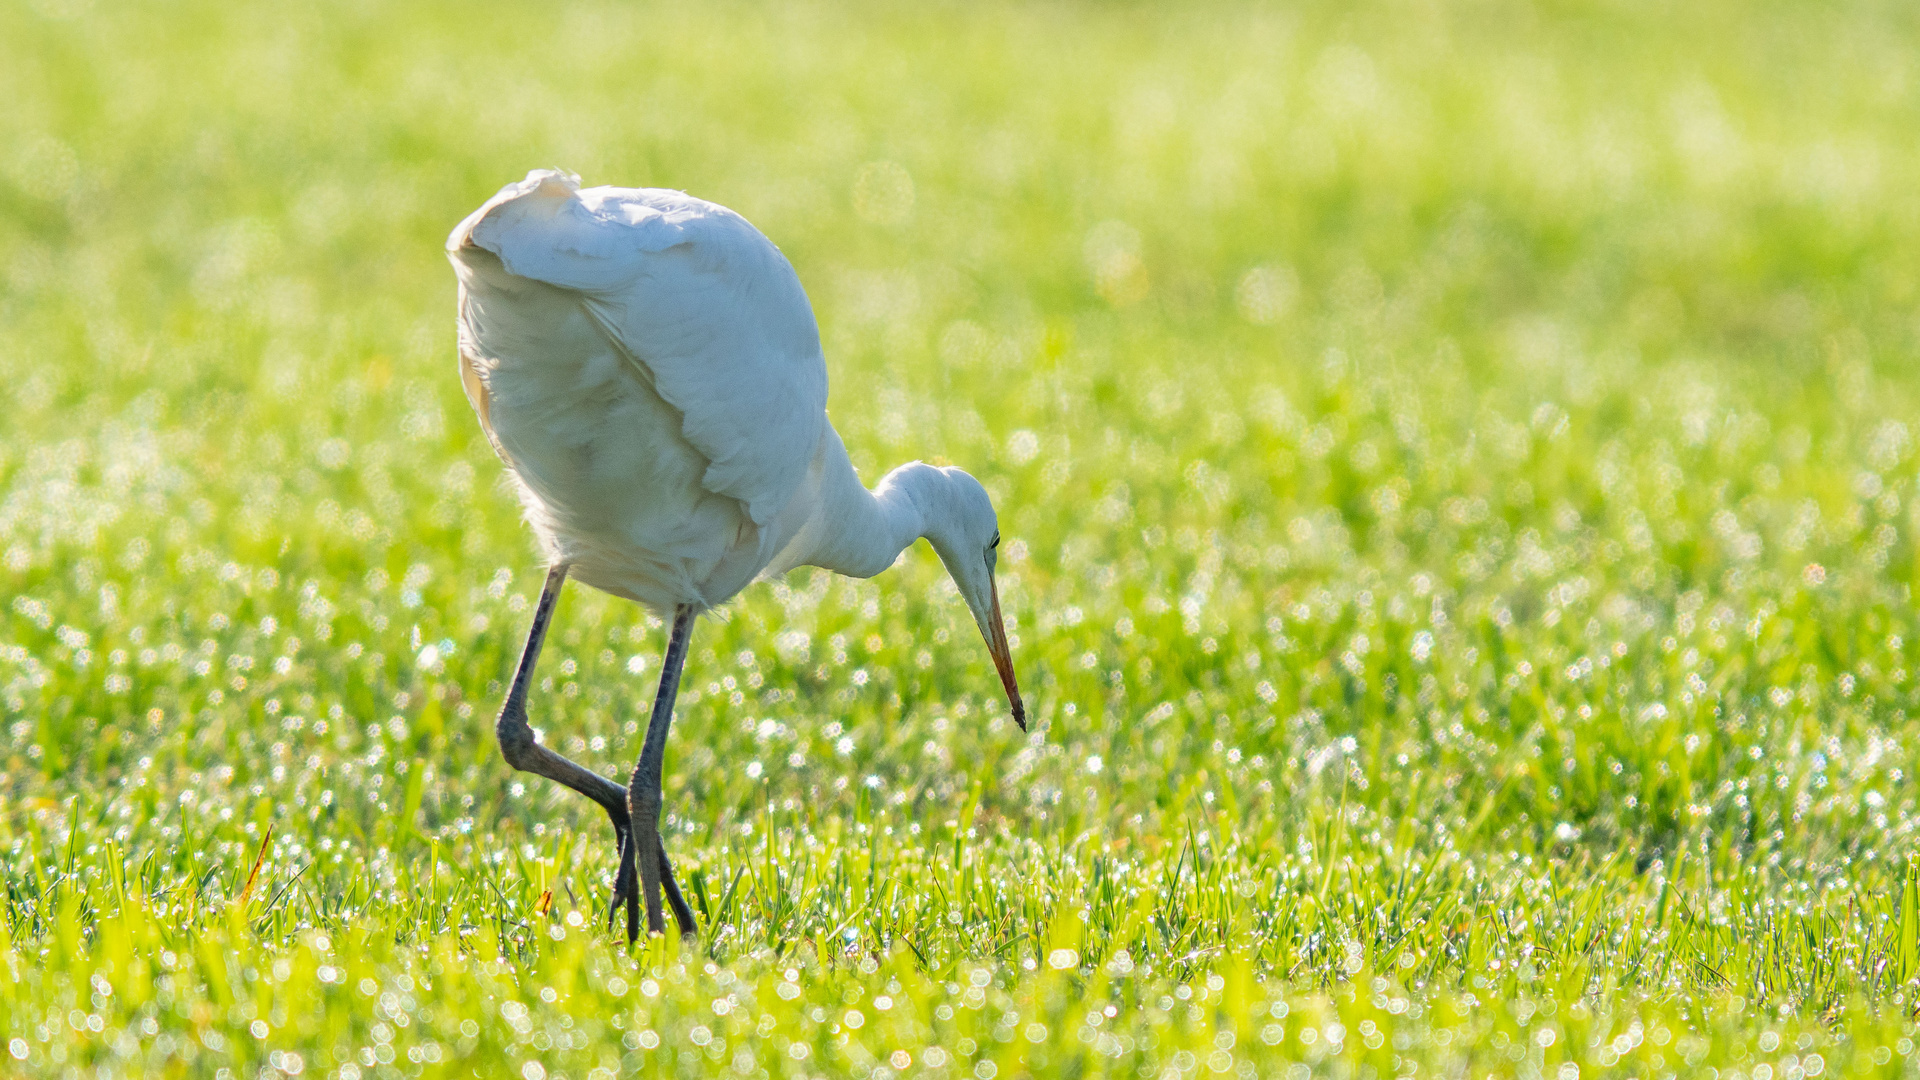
(1457, 466)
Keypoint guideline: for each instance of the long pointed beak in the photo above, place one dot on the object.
(1003, 657)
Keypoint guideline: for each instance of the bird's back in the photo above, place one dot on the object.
(648, 366)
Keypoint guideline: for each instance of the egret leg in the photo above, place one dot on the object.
(524, 753)
(643, 791)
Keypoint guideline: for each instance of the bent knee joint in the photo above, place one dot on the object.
(517, 744)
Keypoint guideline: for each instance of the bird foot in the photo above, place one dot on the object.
(626, 887)
(628, 884)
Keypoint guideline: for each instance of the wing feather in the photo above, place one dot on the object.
(705, 308)
(481, 400)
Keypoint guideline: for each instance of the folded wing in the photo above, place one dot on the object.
(704, 307)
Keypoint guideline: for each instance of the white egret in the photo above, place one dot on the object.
(647, 366)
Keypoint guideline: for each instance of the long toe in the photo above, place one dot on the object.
(637, 881)
(623, 880)
(682, 914)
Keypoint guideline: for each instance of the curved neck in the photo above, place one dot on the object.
(862, 532)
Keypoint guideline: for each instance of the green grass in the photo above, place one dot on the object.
(1459, 476)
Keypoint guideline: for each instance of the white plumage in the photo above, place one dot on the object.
(647, 366)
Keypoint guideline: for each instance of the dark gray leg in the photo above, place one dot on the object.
(518, 746)
(643, 791)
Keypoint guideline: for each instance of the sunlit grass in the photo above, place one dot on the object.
(1457, 467)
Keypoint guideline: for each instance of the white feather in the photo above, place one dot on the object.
(648, 367)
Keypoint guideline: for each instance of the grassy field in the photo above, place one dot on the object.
(1458, 465)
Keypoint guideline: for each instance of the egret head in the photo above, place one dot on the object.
(965, 533)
